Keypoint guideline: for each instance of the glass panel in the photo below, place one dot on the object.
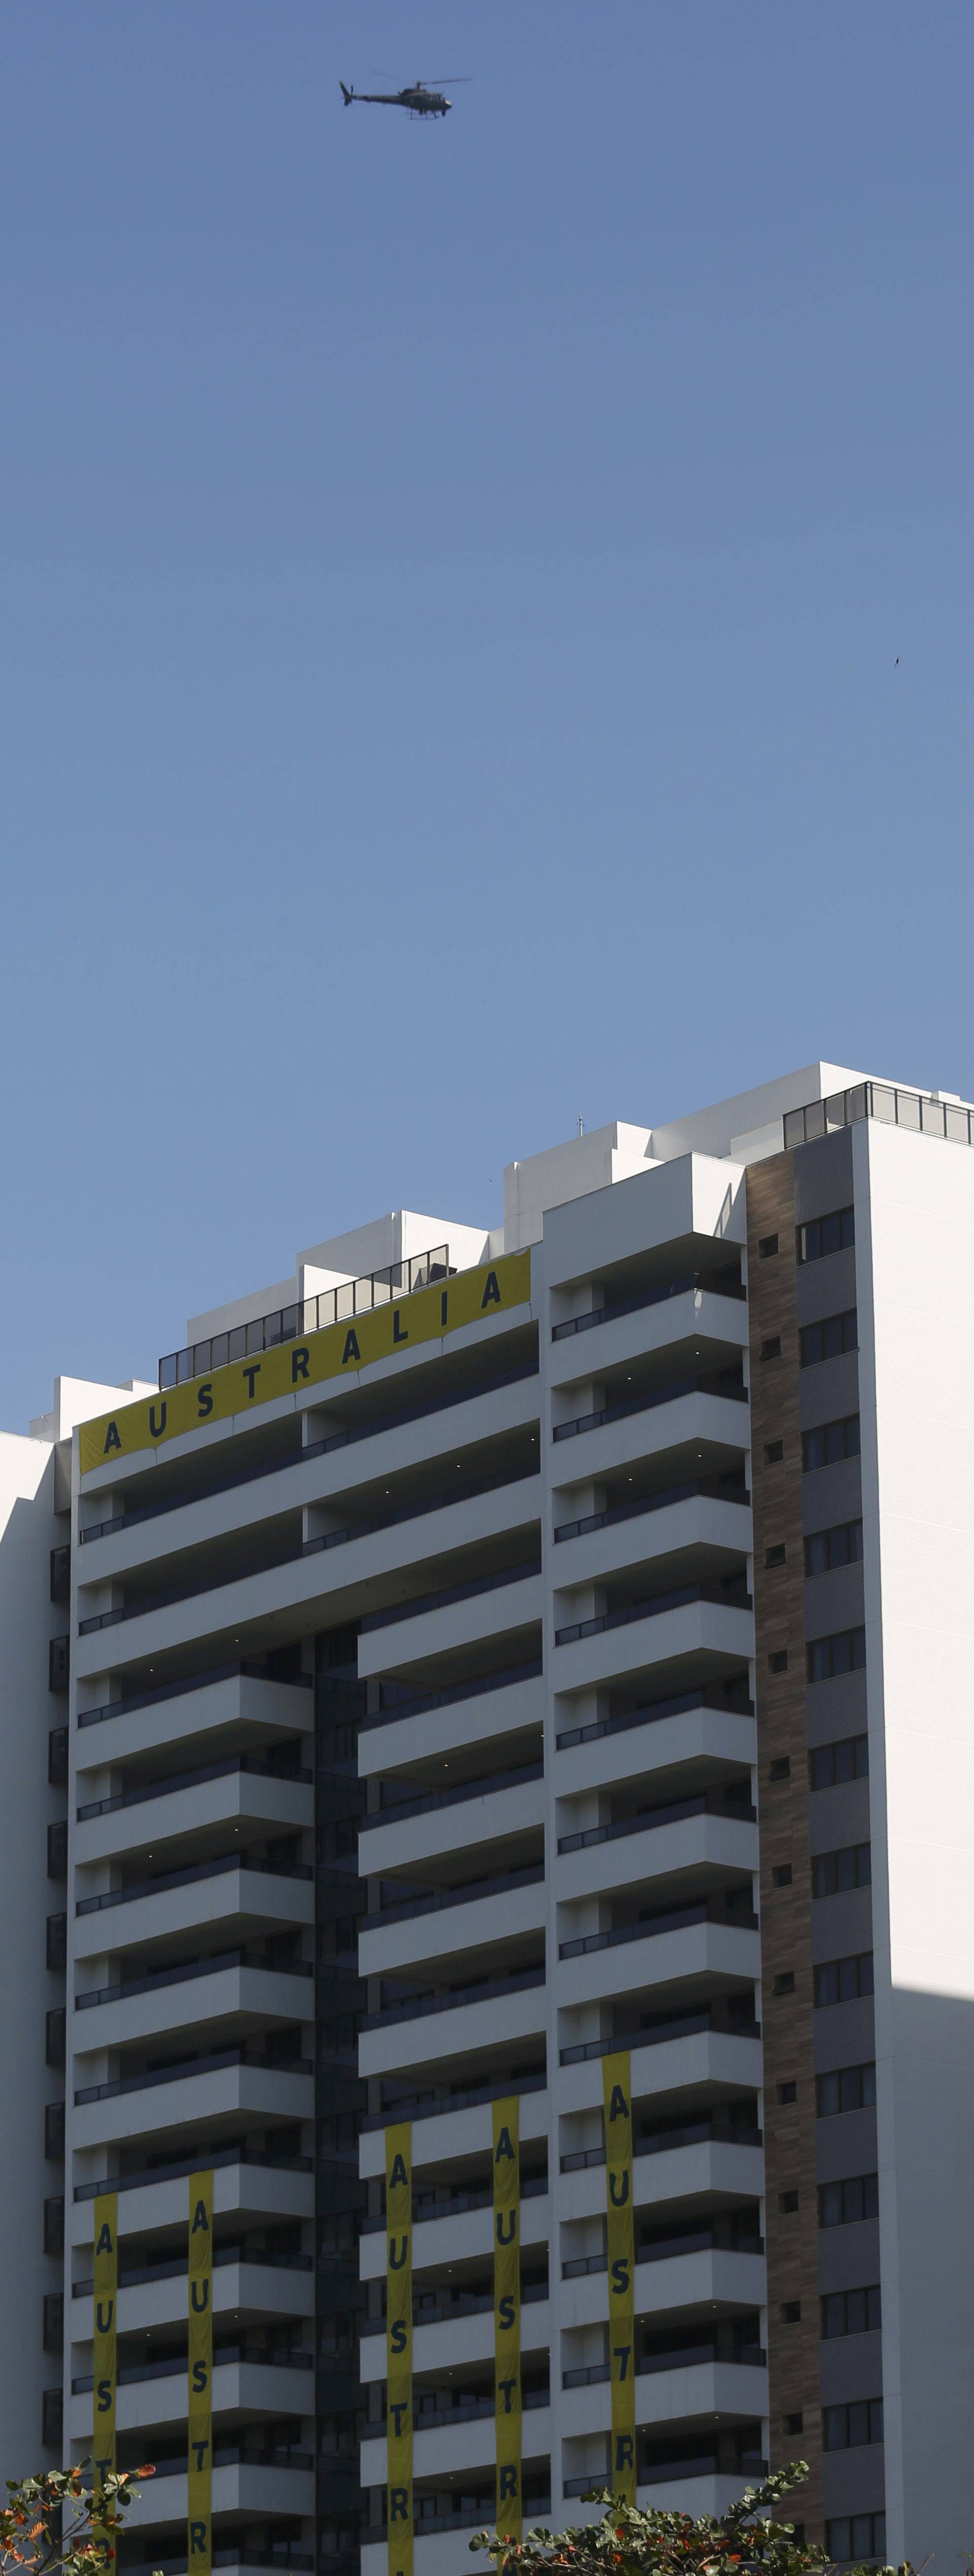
(957, 1122)
(932, 1117)
(835, 1110)
(219, 1350)
(289, 1324)
(364, 1300)
(202, 1358)
(238, 1342)
(814, 1119)
(907, 1109)
(345, 1300)
(167, 1370)
(855, 1103)
(399, 1277)
(884, 1103)
(255, 1335)
(182, 1366)
(272, 1330)
(381, 1287)
(794, 1127)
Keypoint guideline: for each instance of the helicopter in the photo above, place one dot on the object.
(417, 101)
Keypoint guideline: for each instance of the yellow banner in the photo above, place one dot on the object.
(399, 2347)
(339, 1350)
(617, 2103)
(106, 2298)
(507, 2315)
(199, 2485)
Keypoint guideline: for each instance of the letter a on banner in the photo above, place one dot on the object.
(106, 2294)
(399, 2347)
(199, 2486)
(617, 2103)
(507, 2316)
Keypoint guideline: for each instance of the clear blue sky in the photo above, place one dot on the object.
(452, 584)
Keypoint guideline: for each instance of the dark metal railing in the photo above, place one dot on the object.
(951, 1120)
(306, 1315)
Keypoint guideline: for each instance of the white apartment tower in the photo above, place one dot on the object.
(507, 1996)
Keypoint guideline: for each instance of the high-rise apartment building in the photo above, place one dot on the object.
(513, 1719)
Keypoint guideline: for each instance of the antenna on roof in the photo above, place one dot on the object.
(581, 1126)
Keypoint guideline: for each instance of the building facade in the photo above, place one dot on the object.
(513, 1751)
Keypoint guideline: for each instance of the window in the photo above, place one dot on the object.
(847, 2312)
(841, 2204)
(848, 2428)
(774, 1555)
(791, 2312)
(771, 1347)
(831, 1442)
(846, 1758)
(827, 1341)
(782, 1875)
(848, 2088)
(842, 1981)
(827, 1234)
(856, 2536)
(767, 1246)
(787, 2203)
(829, 1656)
(833, 1873)
(773, 1450)
(788, 2092)
(828, 1548)
(792, 2424)
(785, 1983)
(778, 1662)
(780, 1768)
(57, 1757)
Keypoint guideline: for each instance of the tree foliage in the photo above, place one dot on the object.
(53, 2525)
(637, 2540)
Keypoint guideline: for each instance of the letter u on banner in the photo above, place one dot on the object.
(399, 2347)
(507, 2316)
(106, 2294)
(617, 2104)
(199, 2483)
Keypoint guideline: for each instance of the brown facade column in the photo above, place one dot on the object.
(791, 2224)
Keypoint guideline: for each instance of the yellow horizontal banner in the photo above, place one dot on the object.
(339, 1350)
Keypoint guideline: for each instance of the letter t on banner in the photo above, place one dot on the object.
(199, 2485)
(106, 2292)
(507, 2316)
(617, 2101)
(399, 2347)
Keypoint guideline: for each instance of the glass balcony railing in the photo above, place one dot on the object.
(951, 1120)
(306, 1315)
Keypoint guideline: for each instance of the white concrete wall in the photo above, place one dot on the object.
(915, 1275)
(27, 1709)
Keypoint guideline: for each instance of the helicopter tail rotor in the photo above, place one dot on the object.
(347, 94)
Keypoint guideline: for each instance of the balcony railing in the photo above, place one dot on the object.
(894, 1107)
(681, 1598)
(307, 1315)
(720, 1283)
(194, 1870)
(179, 1972)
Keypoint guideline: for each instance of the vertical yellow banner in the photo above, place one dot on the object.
(399, 2347)
(106, 2298)
(507, 2316)
(617, 2102)
(199, 2484)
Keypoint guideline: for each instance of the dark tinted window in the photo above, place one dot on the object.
(831, 1442)
(827, 1234)
(827, 1341)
